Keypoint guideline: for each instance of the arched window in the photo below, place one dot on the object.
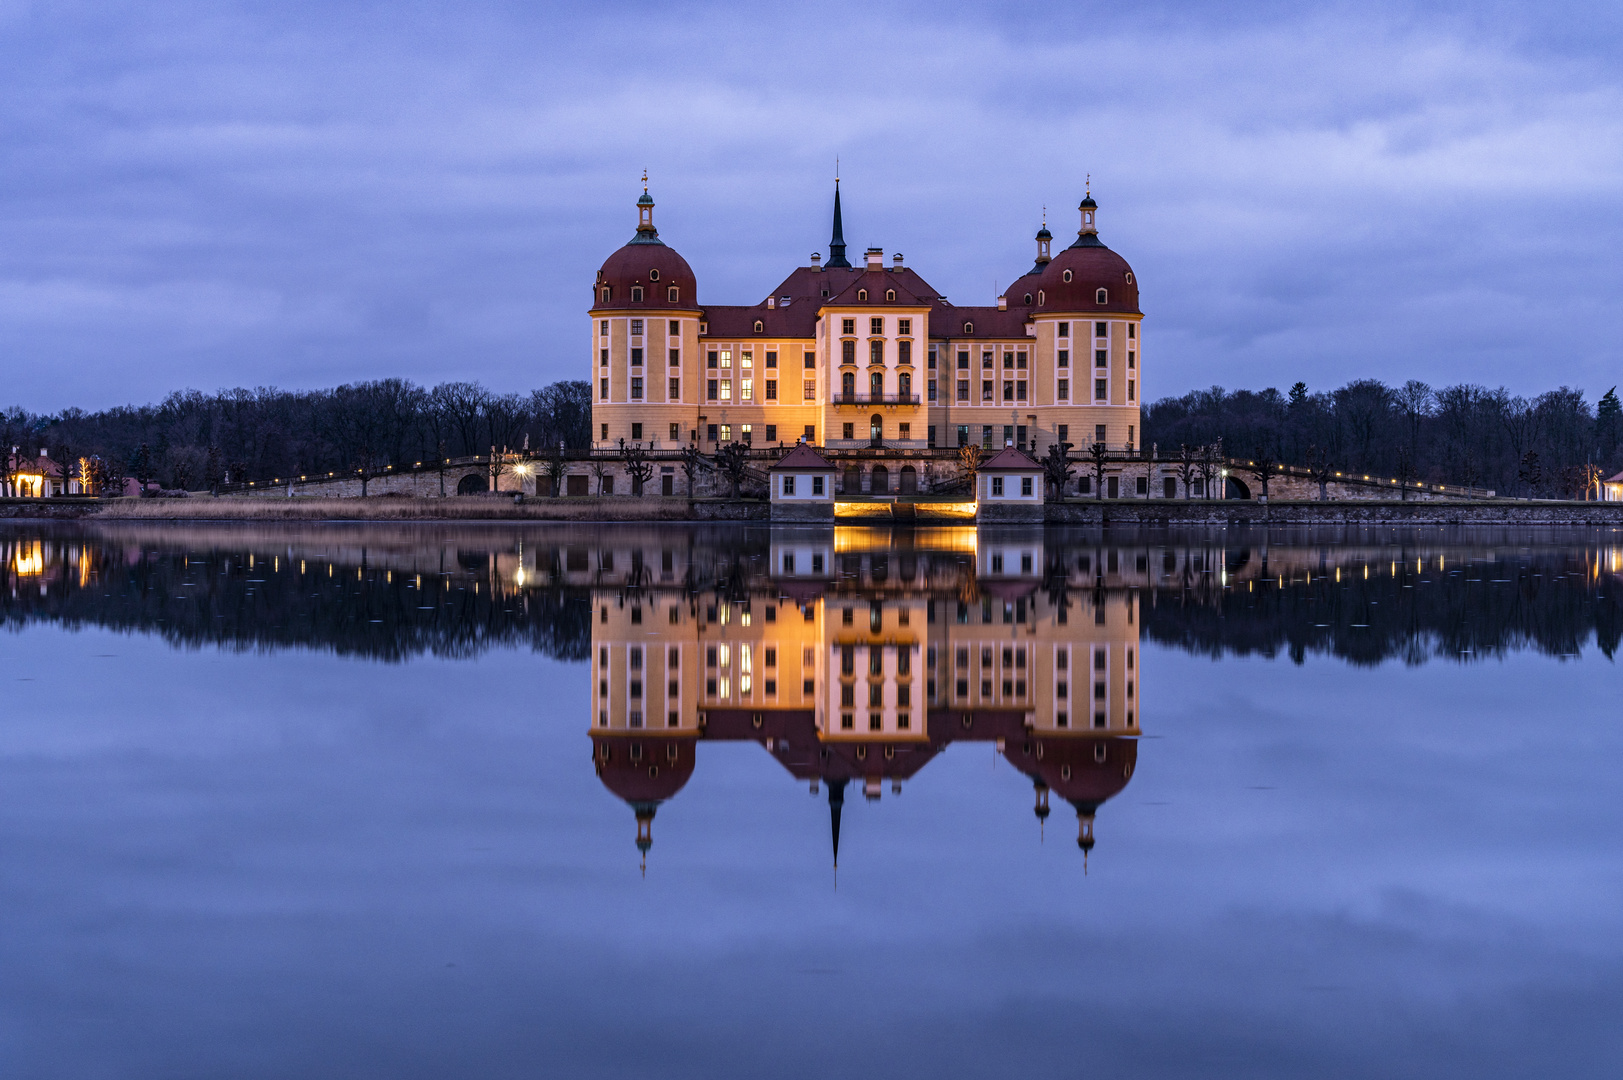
(653, 275)
(759, 326)
(890, 294)
(1102, 296)
(1028, 299)
(862, 294)
(673, 294)
(636, 294)
(1041, 298)
(605, 296)
(1129, 277)
(969, 328)
(1066, 275)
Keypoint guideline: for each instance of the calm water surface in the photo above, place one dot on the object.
(622, 802)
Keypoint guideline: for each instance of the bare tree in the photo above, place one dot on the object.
(1057, 468)
(1262, 466)
(638, 468)
(600, 469)
(1405, 471)
(1186, 468)
(1530, 472)
(691, 460)
(1099, 454)
(498, 465)
(556, 467)
(1415, 400)
(1210, 455)
(733, 462)
(1321, 467)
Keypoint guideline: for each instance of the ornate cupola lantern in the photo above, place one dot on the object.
(1044, 240)
(646, 233)
(1088, 234)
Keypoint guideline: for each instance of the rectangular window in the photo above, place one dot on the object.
(986, 436)
(1025, 486)
(675, 328)
(744, 431)
(1131, 361)
(788, 489)
(1020, 389)
(1130, 389)
(876, 326)
(772, 389)
(676, 392)
(904, 430)
(726, 389)
(963, 389)
(1063, 431)
(904, 352)
(876, 352)
(963, 361)
(726, 358)
(1099, 433)
(676, 432)
(747, 360)
(817, 485)
(1064, 358)
(636, 358)
(997, 485)
(1065, 389)
(636, 389)
(726, 433)
(811, 360)
(1100, 329)
(711, 358)
(746, 390)
(771, 359)
(963, 434)
(603, 357)
(603, 328)
(930, 389)
(1064, 329)
(1131, 331)
(904, 326)
(849, 431)
(1099, 358)
(636, 431)
(986, 361)
(811, 433)
(811, 391)
(848, 352)
(603, 385)
(636, 328)
(710, 431)
(710, 390)
(1008, 361)
(676, 358)
(1008, 390)
(986, 389)
(1098, 389)
(772, 433)
(1020, 360)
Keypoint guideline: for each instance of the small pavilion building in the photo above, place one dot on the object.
(802, 485)
(1009, 487)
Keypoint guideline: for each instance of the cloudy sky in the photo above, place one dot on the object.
(301, 194)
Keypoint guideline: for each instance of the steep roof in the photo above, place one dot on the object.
(1010, 460)
(802, 459)
(988, 323)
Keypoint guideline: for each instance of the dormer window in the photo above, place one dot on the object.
(1129, 277)
(1066, 276)
(969, 328)
(704, 328)
(759, 326)
(636, 294)
(673, 294)
(1042, 298)
(890, 294)
(1028, 299)
(862, 294)
(1102, 296)
(604, 298)
(653, 275)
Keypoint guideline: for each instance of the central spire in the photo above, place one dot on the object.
(836, 243)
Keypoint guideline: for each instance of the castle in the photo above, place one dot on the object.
(869, 361)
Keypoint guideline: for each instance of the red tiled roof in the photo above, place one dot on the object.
(989, 323)
(1010, 460)
(802, 459)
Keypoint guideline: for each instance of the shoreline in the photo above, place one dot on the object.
(627, 510)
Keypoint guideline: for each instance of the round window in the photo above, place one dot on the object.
(653, 275)
(1067, 275)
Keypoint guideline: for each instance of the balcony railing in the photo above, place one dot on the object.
(876, 399)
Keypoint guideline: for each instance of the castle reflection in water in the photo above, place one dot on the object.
(855, 656)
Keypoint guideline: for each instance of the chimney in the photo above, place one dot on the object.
(876, 258)
(817, 260)
(1003, 303)
(897, 260)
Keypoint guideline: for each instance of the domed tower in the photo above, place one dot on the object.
(645, 330)
(1085, 771)
(1082, 307)
(644, 771)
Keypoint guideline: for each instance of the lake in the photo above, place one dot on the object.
(619, 801)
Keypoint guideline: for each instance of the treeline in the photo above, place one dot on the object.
(192, 439)
(1555, 445)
